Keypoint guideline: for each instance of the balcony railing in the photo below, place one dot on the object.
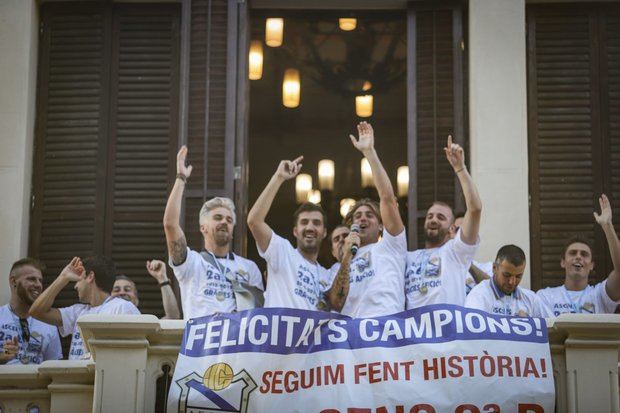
(134, 357)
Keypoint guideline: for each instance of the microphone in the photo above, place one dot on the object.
(355, 228)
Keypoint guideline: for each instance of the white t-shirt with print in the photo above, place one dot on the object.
(485, 267)
(522, 302)
(591, 300)
(435, 275)
(43, 344)
(293, 282)
(205, 290)
(376, 278)
(70, 315)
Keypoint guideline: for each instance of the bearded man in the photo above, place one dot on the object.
(435, 274)
(205, 278)
(25, 339)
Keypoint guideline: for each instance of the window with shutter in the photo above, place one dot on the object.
(571, 106)
(439, 105)
(106, 137)
(211, 108)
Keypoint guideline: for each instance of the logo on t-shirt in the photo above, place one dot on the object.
(362, 268)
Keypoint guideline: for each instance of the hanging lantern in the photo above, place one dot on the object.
(291, 88)
(363, 106)
(274, 32)
(402, 181)
(347, 24)
(303, 186)
(326, 174)
(255, 71)
(314, 196)
(367, 181)
(345, 206)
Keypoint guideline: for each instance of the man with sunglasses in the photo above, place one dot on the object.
(24, 339)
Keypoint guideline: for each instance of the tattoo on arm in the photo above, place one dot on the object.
(341, 284)
(178, 250)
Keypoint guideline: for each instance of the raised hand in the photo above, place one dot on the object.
(157, 270)
(604, 218)
(289, 169)
(181, 167)
(74, 270)
(455, 155)
(366, 141)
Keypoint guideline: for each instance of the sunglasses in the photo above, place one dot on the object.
(23, 323)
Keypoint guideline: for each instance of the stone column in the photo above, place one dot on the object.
(498, 123)
(71, 387)
(119, 347)
(18, 65)
(592, 347)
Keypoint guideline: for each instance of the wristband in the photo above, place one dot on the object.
(462, 169)
(164, 283)
(182, 177)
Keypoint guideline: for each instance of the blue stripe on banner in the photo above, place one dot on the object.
(290, 331)
(210, 394)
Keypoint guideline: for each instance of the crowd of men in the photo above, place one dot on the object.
(374, 274)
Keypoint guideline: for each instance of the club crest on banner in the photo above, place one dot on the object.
(218, 389)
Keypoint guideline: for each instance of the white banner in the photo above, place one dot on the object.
(440, 358)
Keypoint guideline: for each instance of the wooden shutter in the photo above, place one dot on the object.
(71, 137)
(571, 105)
(105, 150)
(143, 134)
(610, 107)
(212, 107)
(438, 102)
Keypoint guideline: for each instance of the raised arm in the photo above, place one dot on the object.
(471, 221)
(478, 274)
(337, 294)
(390, 215)
(42, 308)
(604, 220)
(175, 238)
(157, 270)
(256, 217)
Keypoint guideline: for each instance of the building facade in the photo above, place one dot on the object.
(96, 98)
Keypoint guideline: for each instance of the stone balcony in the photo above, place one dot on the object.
(134, 357)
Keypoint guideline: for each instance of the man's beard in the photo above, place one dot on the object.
(221, 238)
(23, 295)
(437, 237)
(311, 246)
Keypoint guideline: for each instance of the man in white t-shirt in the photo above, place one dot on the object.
(206, 278)
(94, 278)
(372, 279)
(24, 339)
(576, 296)
(295, 277)
(336, 238)
(125, 288)
(502, 294)
(478, 271)
(435, 274)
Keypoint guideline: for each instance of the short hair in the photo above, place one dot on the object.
(510, 253)
(26, 262)
(374, 205)
(126, 278)
(309, 207)
(574, 239)
(335, 228)
(444, 204)
(104, 270)
(217, 202)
